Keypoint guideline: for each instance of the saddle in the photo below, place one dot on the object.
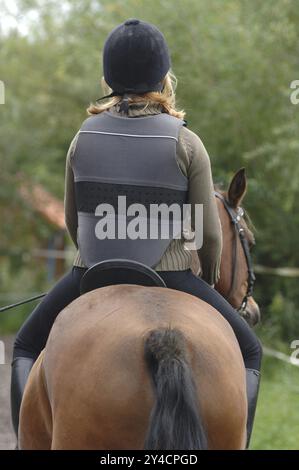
(119, 271)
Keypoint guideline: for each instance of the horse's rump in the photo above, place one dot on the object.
(97, 379)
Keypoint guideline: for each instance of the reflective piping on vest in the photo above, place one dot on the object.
(130, 135)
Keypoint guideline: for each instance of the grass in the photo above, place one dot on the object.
(277, 416)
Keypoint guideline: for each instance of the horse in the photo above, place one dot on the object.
(137, 367)
(236, 273)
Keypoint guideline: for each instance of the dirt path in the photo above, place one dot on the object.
(7, 439)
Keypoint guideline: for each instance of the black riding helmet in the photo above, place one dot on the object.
(135, 58)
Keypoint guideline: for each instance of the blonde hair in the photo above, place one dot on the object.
(166, 98)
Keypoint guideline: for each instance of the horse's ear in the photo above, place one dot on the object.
(237, 188)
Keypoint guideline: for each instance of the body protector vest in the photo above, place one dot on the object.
(129, 188)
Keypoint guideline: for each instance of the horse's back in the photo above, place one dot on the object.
(97, 381)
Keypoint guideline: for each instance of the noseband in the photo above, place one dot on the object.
(235, 218)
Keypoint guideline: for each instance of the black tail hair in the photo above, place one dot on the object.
(175, 422)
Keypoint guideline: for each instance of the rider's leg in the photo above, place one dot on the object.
(249, 344)
(252, 386)
(33, 335)
(21, 367)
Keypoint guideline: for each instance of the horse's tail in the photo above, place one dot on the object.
(175, 422)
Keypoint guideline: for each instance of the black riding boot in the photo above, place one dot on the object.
(21, 367)
(252, 386)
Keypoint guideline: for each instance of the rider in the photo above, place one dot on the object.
(136, 144)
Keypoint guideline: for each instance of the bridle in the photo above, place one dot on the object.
(235, 218)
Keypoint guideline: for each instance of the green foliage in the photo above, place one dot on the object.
(234, 61)
(277, 415)
(16, 285)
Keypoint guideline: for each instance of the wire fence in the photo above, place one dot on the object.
(283, 272)
(280, 356)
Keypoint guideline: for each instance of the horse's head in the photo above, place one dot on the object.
(236, 274)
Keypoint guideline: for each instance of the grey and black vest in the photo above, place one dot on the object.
(136, 158)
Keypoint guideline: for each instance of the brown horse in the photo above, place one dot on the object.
(233, 282)
(132, 367)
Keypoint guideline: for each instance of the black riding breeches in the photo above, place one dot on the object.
(33, 335)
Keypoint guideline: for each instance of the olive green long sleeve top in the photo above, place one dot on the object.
(194, 162)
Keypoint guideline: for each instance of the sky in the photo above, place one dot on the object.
(11, 17)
